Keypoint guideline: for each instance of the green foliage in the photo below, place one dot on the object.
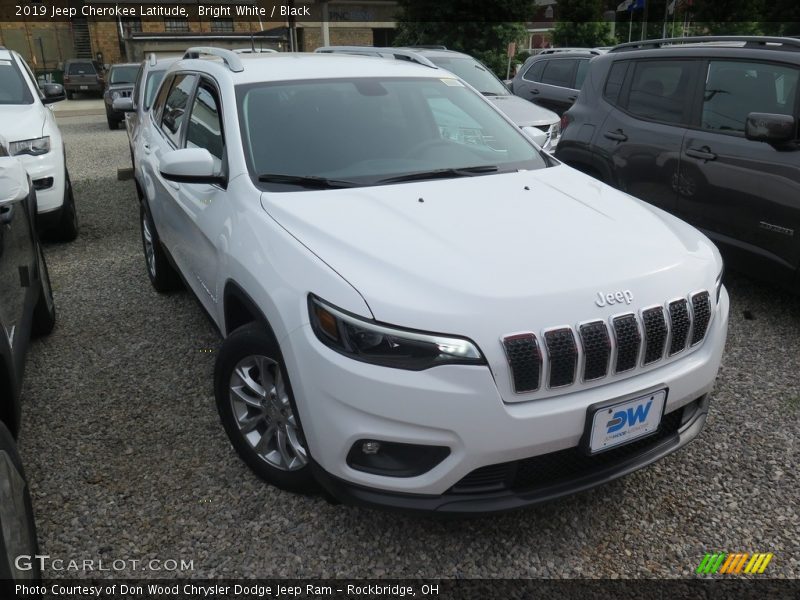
(453, 23)
(582, 35)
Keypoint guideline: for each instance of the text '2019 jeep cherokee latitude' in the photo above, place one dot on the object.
(421, 309)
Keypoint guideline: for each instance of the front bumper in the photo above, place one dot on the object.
(341, 401)
(648, 450)
(45, 166)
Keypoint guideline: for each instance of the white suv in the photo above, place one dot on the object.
(33, 135)
(421, 309)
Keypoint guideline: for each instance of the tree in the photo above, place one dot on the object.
(580, 23)
(471, 26)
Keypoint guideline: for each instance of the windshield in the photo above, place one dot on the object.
(12, 86)
(473, 72)
(125, 74)
(365, 131)
(153, 79)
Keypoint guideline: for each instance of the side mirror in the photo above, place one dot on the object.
(123, 104)
(52, 92)
(770, 128)
(191, 165)
(536, 134)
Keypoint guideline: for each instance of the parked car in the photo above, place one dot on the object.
(119, 84)
(137, 106)
(543, 126)
(553, 80)
(388, 293)
(34, 137)
(83, 76)
(705, 128)
(26, 309)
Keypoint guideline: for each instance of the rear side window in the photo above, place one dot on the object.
(534, 72)
(580, 75)
(81, 68)
(616, 77)
(559, 72)
(659, 90)
(175, 107)
(734, 89)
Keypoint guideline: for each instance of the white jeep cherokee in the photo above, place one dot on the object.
(421, 310)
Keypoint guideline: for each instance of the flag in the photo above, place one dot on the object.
(671, 7)
(624, 6)
(636, 5)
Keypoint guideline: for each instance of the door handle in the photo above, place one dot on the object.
(617, 135)
(534, 92)
(703, 153)
(6, 215)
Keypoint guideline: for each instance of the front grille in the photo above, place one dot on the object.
(571, 464)
(596, 348)
(655, 334)
(638, 342)
(525, 360)
(626, 331)
(563, 355)
(701, 311)
(681, 323)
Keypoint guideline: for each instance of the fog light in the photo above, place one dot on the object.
(370, 447)
(43, 184)
(393, 459)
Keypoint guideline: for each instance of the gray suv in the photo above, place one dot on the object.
(705, 128)
(553, 79)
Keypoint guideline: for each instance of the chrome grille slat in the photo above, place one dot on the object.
(680, 323)
(596, 349)
(701, 311)
(657, 333)
(525, 360)
(629, 340)
(563, 354)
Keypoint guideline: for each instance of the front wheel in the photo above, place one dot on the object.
(257, 409)
(17, 527)
(66, 228)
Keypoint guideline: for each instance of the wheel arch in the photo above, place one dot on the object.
(240, 309)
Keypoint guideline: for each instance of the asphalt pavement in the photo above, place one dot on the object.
(127, 459)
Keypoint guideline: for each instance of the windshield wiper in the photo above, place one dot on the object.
(441, 174)
(307, 181)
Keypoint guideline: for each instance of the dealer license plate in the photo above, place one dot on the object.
(84, 87)
(627, 421)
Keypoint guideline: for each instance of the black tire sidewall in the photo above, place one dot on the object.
(7, 444)
(166, 278)
(250, 339)
(44, 318)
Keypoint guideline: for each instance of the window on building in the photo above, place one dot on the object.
(131, 24)
(222, 25)
(176, 25)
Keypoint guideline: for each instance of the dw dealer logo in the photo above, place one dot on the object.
(734, 564)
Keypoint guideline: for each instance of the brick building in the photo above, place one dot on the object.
(47, 42)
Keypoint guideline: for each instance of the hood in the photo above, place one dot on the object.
(522, 112)
(21, 121)
(531, 249)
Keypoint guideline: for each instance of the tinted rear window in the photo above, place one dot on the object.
(81, 68)
(558, 72)
(616, 77)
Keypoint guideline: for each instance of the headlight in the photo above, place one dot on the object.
(718, 283)
(33, 147)
(384, 345)
(114, 95)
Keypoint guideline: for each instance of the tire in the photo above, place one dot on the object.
(44, 313)
(17, 498)
(160, 271)
(112, 123)
(66, 228)
(70, 95)
(261, 417)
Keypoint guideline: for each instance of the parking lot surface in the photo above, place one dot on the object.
(127, 458)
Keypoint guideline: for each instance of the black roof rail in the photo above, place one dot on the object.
(750, 41)
(230, 58)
